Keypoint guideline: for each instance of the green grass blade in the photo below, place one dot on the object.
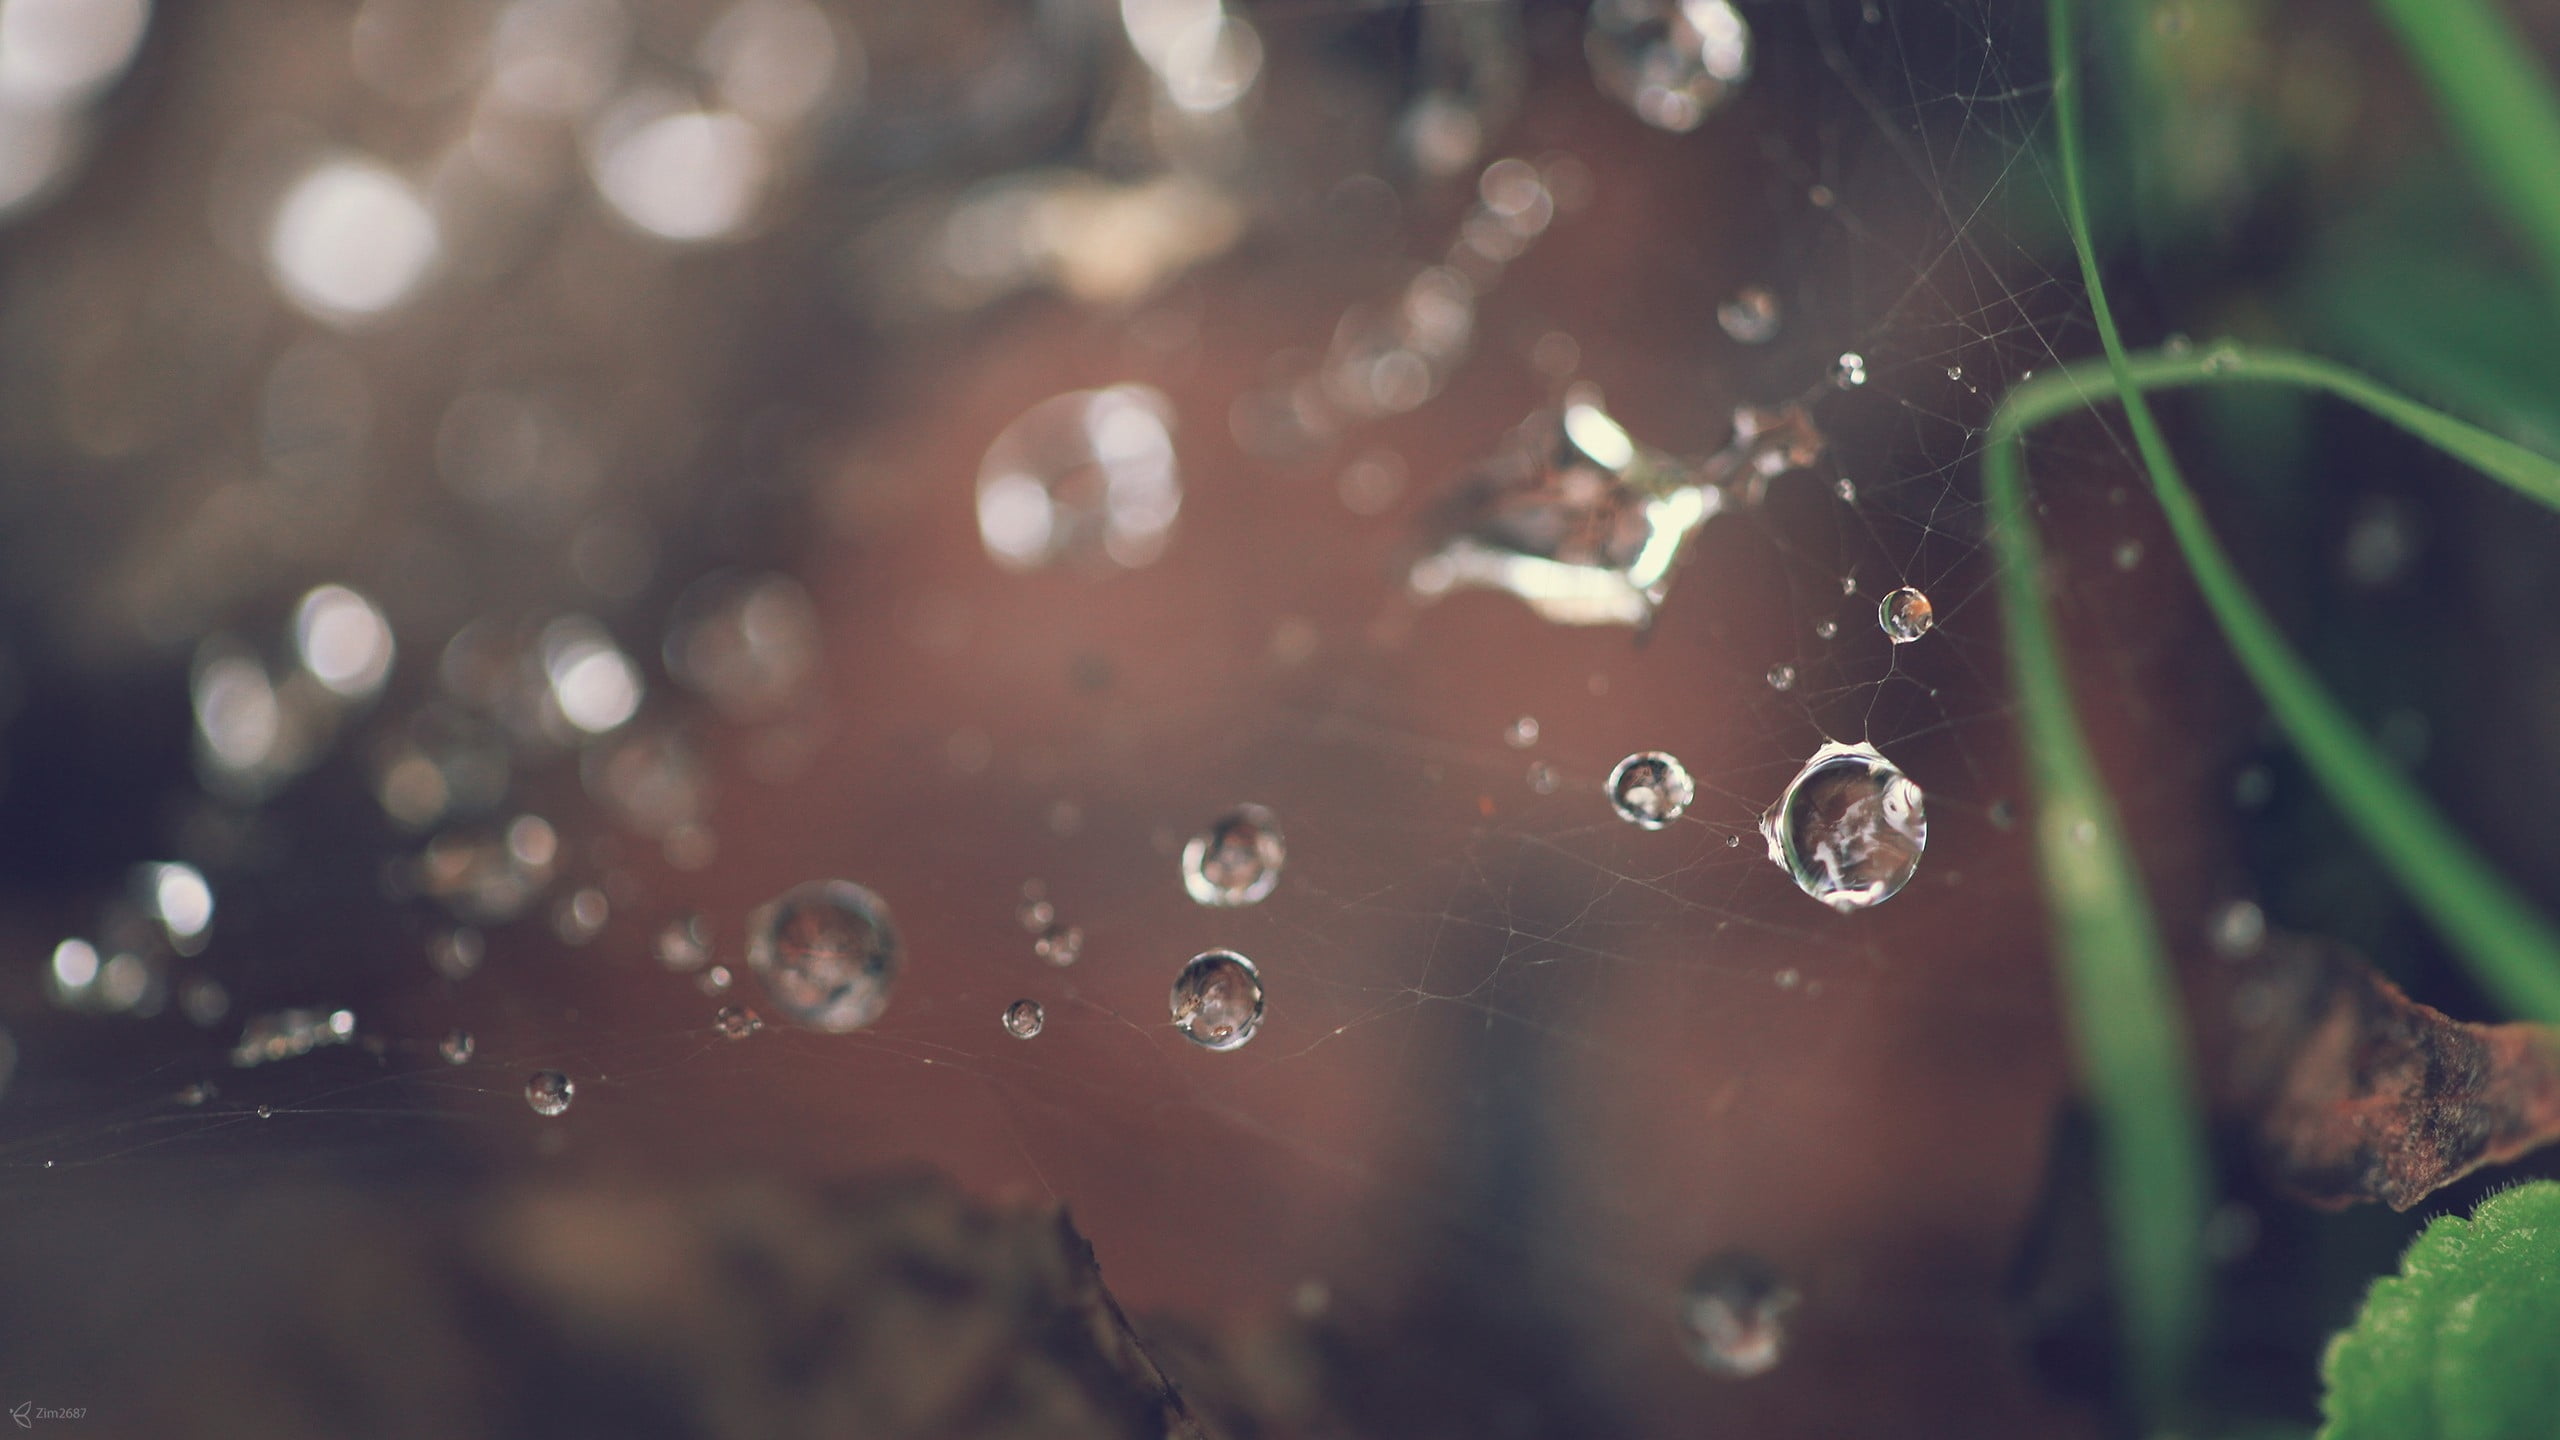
(2505, 944)
(2500, 107)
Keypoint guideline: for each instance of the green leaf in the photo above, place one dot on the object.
(2464, 1343)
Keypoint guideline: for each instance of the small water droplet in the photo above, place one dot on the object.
(1237, 860)
(1735, 1311)
(1522, 733)
(1848, 584)
(265, 1112)
(1543, 779)
(1035, 912)
(1905, 616)
(580, 916)
(1787, 979)
(1826, 629)
(1850, 371)
(1670, 61)
(716, 980)
(1782, 677)
(457, 1047)
(2223, 358)
(1750, 317)
(1846, 489)
(684, 944)
(736, 1022)
(1650, 789)
(549, 1092)
(456, 953)
(1849, 829)
(2237, 929)
(1217, 1000)
(195, 1095)
(827, 953)
(2128, 554)
(1060, 945)
(1023, 1019)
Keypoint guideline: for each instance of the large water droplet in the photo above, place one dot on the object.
(1237, 860)
(1087, 476)
(1573, 516)
(1735, 1312)
(549, 1092)
(1024, 1018)
(456, 1047)
(1670, 61)
(1217, 1000)
(1905, 615)
(1849, 829)
(827, 954)
(1650, 789)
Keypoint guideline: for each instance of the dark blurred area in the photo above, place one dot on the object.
(493, 492)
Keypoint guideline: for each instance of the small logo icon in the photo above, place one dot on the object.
(20, 1414)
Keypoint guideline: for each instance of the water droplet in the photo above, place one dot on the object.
(1650, 789)
(1217, 1000)
(580, 916)
(197, 1094)
(682, 175)
(1237, 860)
(1825, 629)
(1750, 317)
(1782, 677)
(489, 878)
(715, 981)
(1848, 584)
(1670, 61)
(549, 1092)
(456, 953)
(827, 954)
(1023, 1019)
(351, 240)
(1088, 477)
(2237, 929)
(1850, 371)
(1735, 1311)
(457, 1047)
(1787, 979)
(748, 643)
(1035, 913)
(265, 1112)
(344, 641)
(204, 1001)
(683, 944)
(1522, 733)
(2223, 358)
(1849, 829)
(1846, 489)
(1905, 616)
(2128, 554)
(736, 1022)
(1543, 779)
(1060, 945)
(1572, 516)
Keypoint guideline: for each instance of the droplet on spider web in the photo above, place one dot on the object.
(1059, 944)
(1024, 1018)
(1670, 61)
(1543, 779)
(1237, 860)
(1735, 1312)
(1521, 733)
(1782, 677)
(457, 1047)
(1217, 1000)
(1035, 912)
(1905, 616)
(1846, 489)
(1750, 317)
(1850, 371)
(1850, 828)
(736, 1022)
(827, 953)
(1825, 629)
(549, 1092)
(456, 953)
(1572, 516)
(1088, 476)
(715, 981)
(1650, 789)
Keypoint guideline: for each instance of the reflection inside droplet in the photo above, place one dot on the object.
(1237, 860)
(1217, 1000)
(827, 953)
(1850, 828)
(1650, 789)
